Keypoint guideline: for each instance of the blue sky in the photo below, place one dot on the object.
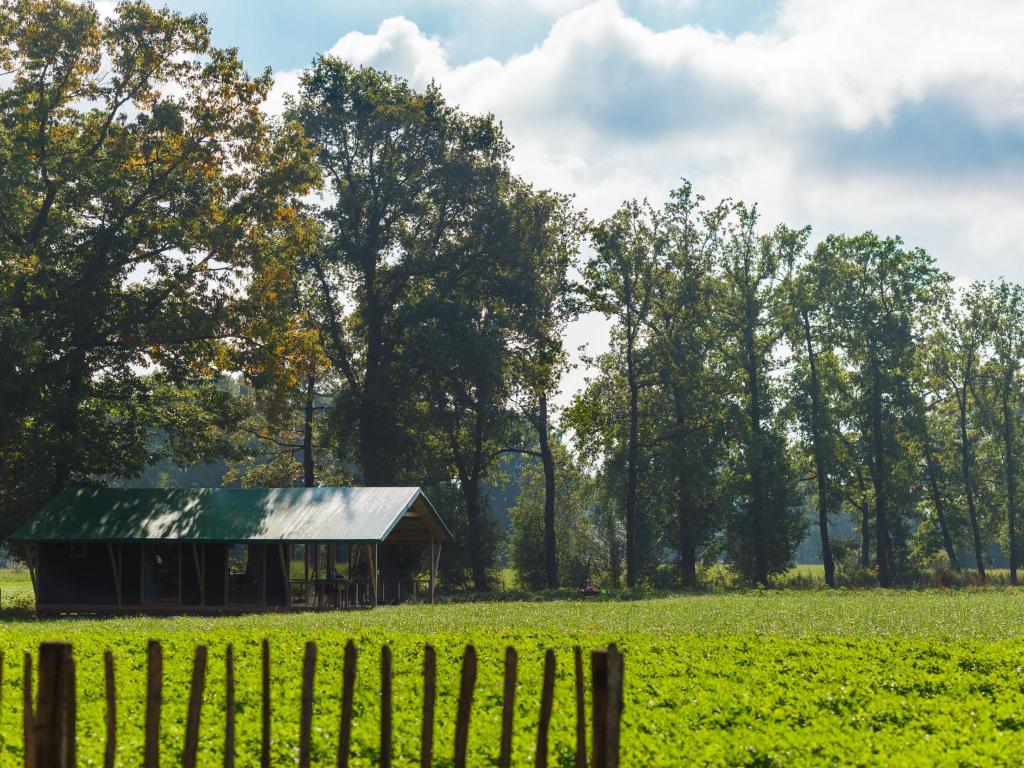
(901, 117)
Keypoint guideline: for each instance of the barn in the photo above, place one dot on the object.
(231, 550)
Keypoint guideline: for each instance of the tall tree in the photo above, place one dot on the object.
(141, 183)
(619, 284)
(1001, 394)
(408, 176)
(767, 526)
(683, 351)
(879, 291)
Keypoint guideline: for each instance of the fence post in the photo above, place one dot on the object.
(55, 709)
(606, 674)
(195, 708)
(27, 727)
(111, 691)
(508, 710)
(154, 700)
(229, 707)
(385, 707)
(348, 684)
(306, 717)
(265, 715)
(429, 697)
(546, 700)
(465, 705)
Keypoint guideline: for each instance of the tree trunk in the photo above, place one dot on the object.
(376, 425)
(1010, 472)
(550, 545)
(817, 440)
(965, 469)
(308, 478)
(940, 507)
(474, 515)
(879, 475)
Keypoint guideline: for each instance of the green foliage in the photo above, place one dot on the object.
(789, 678)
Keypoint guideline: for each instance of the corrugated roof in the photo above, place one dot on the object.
(228, 514)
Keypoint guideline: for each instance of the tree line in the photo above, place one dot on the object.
(362, 291)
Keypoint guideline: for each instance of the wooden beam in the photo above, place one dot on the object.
(32, 560)
(116, 571)
(284, 552)
(433, 570)
(200, 574)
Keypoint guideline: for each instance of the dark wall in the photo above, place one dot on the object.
(67, 580)
(277, 587)
(215, 557)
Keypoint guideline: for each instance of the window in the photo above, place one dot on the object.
(245, 574)
(79, 551)
(160, 573)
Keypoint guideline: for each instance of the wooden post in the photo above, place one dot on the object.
(508, 708)
(154, 700)
(229, 707)
(27, 717)
(581, 713)
(375, 572)
(306, 716)
(200, 574)
(385, 707)
(606, 706)
(429, 698)
(54, 722)
(195, 707)
(116, 571)
(110, 753)
(348, 684)
(433, 570)
(547, 695)
(465, 705)
(265, 721)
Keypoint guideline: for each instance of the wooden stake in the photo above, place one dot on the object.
(614, 713)
(195, 706)
(306, 717)
(547, 695)
(27, 725)
(508, 708)
(348, 684)
(229, 707)
(385, 707)
(599, 707)
(54, 722)
(429, 699)
(265, 727)
(581, 713)
(111, 691)
(154, 701)
(465, 705)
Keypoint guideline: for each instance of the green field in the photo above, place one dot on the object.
(756, 678)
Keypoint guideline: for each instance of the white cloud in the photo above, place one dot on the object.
(905, 118)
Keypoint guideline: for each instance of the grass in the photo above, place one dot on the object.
(751, 678)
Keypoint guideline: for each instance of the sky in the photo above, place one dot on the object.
(901, 117)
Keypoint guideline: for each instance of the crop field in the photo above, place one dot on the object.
(755, 678)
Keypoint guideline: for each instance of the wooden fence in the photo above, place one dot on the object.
(49, 722)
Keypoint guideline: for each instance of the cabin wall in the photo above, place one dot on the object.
(75, 574)
(215, 555)
(277, 585)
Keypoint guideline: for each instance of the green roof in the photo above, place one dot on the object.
(229, 514)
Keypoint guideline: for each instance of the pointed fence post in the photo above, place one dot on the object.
(27, 713)
(429, 699)
(265, 713)
(385, 707)
(306, 717)
(508, 708)
(606, 669)
(154, 701)
(465, 706)
(195, 708)
(348, 684)
(581, 711)
(54, 723)
(110, 753)
(229, 707)
(547, 695)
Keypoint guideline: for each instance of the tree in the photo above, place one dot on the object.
(409, 175)
(141, 183)
(619, 283)
(683, 345)
(1000, 393)
(766, 525)
(879, 291)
